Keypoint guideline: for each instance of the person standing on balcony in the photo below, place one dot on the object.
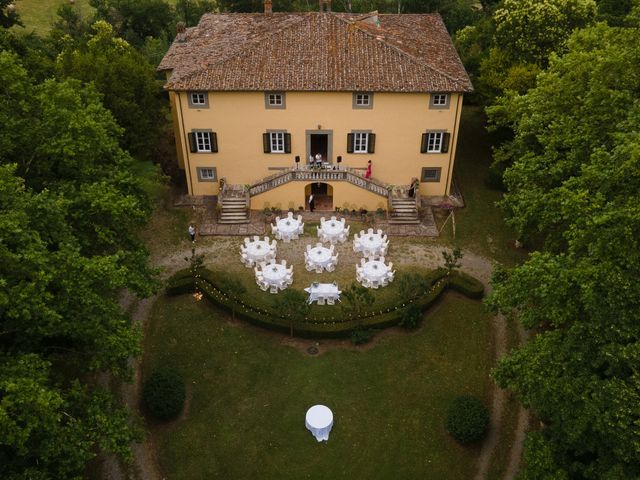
(312, 203)
(367, 174)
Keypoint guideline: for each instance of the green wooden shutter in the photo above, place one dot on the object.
(446, 137)
(192, 142)
(349, 142)
(424, 145)
(213, 136)
(371, 146)
(266, 143)
(287, 143)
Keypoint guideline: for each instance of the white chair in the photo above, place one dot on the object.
(244, 258)
(301, 229)
(256, 238)
(273, 289)
(277, 219)
(322, 220)
(367, 253)
(286, 239)
(320, 300)
(319, 231)
(330, 267)
(309, 266)
(342, 220)
(369, 231)
(375, 283)
(331, 301)
(263, 286)
(379, 232)
(300, 219)
(391, 275)
(289, 214)
(308, 248)
(363, 261)
(283, 262)
(390, 266)
(247, 241)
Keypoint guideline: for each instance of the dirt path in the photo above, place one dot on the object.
(217, 252)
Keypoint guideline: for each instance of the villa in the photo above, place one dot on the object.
(269, 108)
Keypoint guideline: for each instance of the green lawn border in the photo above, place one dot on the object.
(207, 282)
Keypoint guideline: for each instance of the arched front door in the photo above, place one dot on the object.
(322, 195)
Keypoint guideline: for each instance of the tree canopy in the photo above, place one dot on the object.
(70, 208)
(573, 184)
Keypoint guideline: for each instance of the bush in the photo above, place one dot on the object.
(362, 335)
(164, 394)
(179, 286)
(466, 285)
(410, 317)
(467, 419)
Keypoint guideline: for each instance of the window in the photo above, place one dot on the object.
(274, 100)
(439, 100)
(361, 142)
(277, 141)
(203, 141)
(431, 174)
(435, 142)
(362, 100)
(198, 100)
(207, 174)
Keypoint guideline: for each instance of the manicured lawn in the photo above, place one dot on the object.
(38, 15)
(249, 393)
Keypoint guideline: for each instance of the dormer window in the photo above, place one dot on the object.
(439, 100)
(363, 100)
(198, 100)
(274, 100)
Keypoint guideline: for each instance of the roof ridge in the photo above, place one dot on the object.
(398, 49)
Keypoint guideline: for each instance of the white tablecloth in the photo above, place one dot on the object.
(322, 290)
(373, 242)
(319, 420)
(274, 273)
(258, 250)
(332, 228)
(319, 256)
(375, 270)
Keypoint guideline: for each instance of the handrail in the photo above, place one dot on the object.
(318, 175)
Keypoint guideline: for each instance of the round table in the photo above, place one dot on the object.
(288, 225)
(319, 420)
(371, 241)
(258, 250)
(274, 273)
(375, 270)
(319, 256)
(332, 228)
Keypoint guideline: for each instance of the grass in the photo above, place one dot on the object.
(480, 225)
(38, 15)
(249, 393)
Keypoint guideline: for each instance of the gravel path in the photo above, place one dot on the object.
(217, 251)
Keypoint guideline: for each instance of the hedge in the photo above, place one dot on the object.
(211, 287)
(466, 285)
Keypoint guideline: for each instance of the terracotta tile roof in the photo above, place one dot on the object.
(316, 52)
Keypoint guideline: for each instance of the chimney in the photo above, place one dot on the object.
(268, 6)
(325, 5)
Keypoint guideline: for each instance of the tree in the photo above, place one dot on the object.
(355, 299)
(234, 288)
(191, 10)
(127, 83)
(573, 184)
(70, 209)
(294, 304)
(135, 20)
(530, 30)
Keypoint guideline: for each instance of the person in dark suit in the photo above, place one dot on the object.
(312, 203)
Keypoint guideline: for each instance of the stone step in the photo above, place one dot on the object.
(234, 209)
(403, 221)
(231, 222)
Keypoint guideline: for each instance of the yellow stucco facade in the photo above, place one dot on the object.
(239, 120)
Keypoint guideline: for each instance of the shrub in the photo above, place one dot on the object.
(467, 419)
(180, 282)
(164, 394)
(361, 335)
(411, 317)
(380, 211)
(466, 285)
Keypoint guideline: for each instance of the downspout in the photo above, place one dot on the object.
(454, 137)
(186, 148)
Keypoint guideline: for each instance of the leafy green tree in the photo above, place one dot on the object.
(530, 30)
(50, 430)
(135, 20)
(190, 11)
(295, 307)
(573, 184)
(127, 83)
